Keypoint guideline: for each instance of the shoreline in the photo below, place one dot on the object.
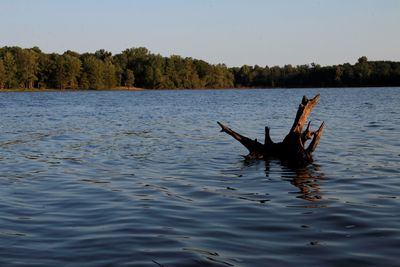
(35, 90)
(24, 90)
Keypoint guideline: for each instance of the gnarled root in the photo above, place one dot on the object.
(292, 148)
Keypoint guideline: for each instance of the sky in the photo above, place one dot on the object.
(233, 32)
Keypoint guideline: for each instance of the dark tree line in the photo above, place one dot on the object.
(361, 74)
(137, 67)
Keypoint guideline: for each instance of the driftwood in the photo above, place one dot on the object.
(292, 149)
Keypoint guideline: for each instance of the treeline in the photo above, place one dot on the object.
(137, 67)
(134, 67)
(363, 73)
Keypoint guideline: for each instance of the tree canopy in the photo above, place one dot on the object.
(137, 67)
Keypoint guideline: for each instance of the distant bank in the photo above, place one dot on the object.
(134, 68)
(68, 90)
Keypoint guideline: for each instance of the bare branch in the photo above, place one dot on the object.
(255, 148)
(307, 134)
(303, 112)
(317, 135)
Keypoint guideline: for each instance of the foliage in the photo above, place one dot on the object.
(361, 74)
(138, 67)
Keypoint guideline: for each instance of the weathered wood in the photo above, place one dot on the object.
(292, 149)
(303, 112)
(256, 149)
(316, 137)
(307, 134)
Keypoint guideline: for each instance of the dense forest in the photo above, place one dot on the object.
(138, 67)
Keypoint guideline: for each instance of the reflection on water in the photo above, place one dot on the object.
(307, 179)
(145, 179)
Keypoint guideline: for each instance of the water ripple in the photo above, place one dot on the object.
(145, 179)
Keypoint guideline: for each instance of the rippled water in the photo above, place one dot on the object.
(145, 179)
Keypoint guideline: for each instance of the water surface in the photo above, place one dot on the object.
(145, 178)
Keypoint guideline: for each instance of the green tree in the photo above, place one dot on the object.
(129, 78)
(362, 60)
(154, 72)
(136, 59)
(219, 77)
(181, 73)
(84, 81)
(338, 75)
(259, 76)
(243, 76)
(2, 74)
(27, 67)
(68, 70)
(362, 70)
(46, 71)
(92, 72)
(102, 54)
(276, 76)
(10, 68)
(109, 74)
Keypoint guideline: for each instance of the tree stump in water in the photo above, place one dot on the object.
(292, 149)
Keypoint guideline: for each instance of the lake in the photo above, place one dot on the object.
(145, 178)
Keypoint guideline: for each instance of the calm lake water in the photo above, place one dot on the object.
(145, 178)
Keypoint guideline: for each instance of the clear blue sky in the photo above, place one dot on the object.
(235, 32)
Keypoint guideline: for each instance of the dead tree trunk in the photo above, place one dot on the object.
(292, 149)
